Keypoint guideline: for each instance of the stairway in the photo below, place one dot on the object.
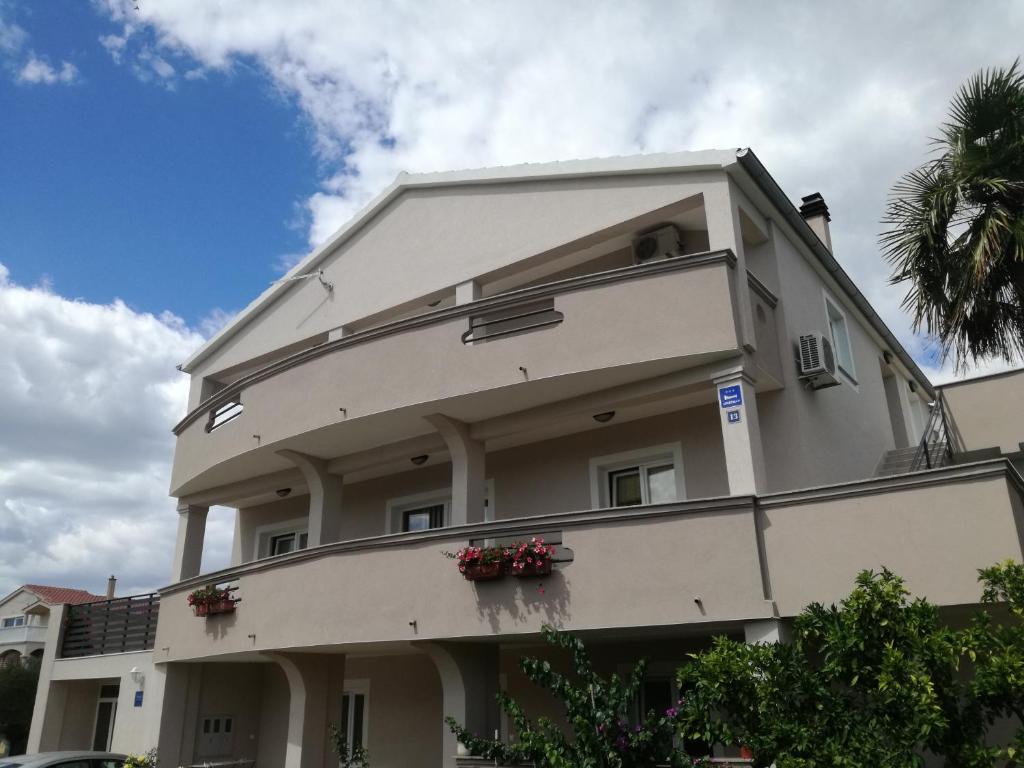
(900, 461)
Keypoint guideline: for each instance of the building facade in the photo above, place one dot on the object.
(655, 363)
(25, 616)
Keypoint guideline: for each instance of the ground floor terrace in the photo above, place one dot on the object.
(277, 709)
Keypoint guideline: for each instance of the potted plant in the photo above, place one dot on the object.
(211, 600)
(531, 558)
(480, 563)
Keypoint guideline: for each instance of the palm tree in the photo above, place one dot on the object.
(957, 224)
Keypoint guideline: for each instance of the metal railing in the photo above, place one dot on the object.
(110, 626)
(935, 448)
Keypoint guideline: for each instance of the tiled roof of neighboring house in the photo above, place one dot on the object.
(61, 595)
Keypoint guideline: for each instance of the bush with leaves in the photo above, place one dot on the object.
(872, 682)
(148, 760)
(356, 757)
(605, 733)
(17, 696)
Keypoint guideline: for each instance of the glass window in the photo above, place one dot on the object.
(423, 518)
(353, 719)
(840, 338)
(644, 484)
(283, 543)
(14, 621)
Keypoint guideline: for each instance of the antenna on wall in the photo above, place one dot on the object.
(319, 275)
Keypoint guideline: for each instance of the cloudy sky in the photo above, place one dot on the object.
(163, 161)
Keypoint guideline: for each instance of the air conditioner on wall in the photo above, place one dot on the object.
(664, 242)
(816, 362)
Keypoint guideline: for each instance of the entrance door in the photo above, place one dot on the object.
(106, 711)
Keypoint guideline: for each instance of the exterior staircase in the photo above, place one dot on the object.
(900, 461)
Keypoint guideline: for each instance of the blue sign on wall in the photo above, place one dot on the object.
(138, 698)
(730, 397)
(734, 416)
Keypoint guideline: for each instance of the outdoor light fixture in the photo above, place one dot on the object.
(137, 677)
(604, 418)
(417, 460)
(282, 492)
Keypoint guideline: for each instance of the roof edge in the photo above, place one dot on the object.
(666, 162)
(760, 175)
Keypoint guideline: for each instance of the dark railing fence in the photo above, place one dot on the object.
(936, 446)
(110, 626)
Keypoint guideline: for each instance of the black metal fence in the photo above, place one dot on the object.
(110, 626)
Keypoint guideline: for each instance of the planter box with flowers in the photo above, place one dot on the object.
(212, 600)
(522, 559)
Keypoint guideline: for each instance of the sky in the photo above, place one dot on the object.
(162, 162)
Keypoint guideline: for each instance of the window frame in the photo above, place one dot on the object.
(396, 508)
(834, 311)
(356, 687)
(602, 468)
(264, 536)
(20, 620)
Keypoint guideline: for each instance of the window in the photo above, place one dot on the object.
(425, 511)
(13, 621)
(423, 518)
(215, 737)
(647, 476)
(840, 338)
(284, 543)
(643, 484)
(355, 713)
(280, 538)
(106, 712)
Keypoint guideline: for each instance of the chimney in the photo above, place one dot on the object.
(111, 583)
(815, 213)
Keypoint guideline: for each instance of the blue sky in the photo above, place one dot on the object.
(181, 200)
(158, 165)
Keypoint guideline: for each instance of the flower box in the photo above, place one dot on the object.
(536, 568)
(221, 606)
(201, 609)
(484, 571)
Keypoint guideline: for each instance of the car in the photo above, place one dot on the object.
(65, 760)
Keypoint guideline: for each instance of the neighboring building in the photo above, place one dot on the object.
(654, 362)
(24, 616)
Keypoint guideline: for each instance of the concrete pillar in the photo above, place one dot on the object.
(51, 697)
(897, 402)
(741, 434)
(767, 631)
(467, 292)
(469, 686)
(309, 677)
(469, 484)
(724, 232)
(236, 542)
(179, 687)
(188, 551)
(325, 496)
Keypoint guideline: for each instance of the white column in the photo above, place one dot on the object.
(325, 497)
(188, 551)
(51, 697)
(469, 484)
(469, 684)
(467, 292)
(309, 676)
(741, 434)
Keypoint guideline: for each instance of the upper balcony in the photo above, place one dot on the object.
(26, 633)
(475, 361)
(704, 561)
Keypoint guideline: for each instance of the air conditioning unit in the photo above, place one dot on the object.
(816, 362)
(662, 243)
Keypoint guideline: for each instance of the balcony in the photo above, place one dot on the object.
(709, 561)
(488, 358)
(120, 625)
(27, 633)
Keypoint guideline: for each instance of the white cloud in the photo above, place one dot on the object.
(90, 393)
(836, 98)
(39, 71)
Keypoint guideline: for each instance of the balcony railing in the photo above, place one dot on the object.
(110, 626)
(27, 633)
